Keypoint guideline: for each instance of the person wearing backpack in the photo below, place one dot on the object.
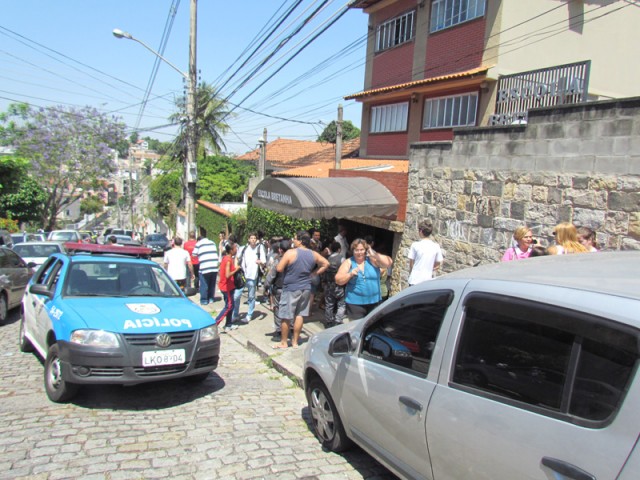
(335, 306)
(274, 282)
(251, 259)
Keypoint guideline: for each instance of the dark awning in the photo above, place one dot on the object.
(316, 198)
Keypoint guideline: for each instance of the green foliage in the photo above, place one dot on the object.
(223, 179)
(277, 225)
(166, 191)
(91, 204)
(210, 223)
(26, 203)
(21, 197)
(349, 132)
(157, 146)
(10, 225)
(238, 225)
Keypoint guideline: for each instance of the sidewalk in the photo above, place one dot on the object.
(257, 336)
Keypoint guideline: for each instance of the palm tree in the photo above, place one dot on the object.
(210, 116)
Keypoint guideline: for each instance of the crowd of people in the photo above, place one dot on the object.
(299, 274)
(568, 239)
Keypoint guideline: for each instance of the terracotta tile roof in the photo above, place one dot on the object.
(350, 148)
(321, 170)
(416, 83)
(284, 151)
(215, 208)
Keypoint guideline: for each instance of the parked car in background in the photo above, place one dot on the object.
(145, 329)
(87, 236)
(27, 237)
(517, 370)
(157, 242)
(14, 276)
(65, 236)
(125, 240)
(37, 252)
(118, 231)
(5, 239)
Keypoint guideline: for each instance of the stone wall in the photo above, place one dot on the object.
(574, 163)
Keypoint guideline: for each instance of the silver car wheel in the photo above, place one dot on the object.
(325, 418)
(322, 415)
(3, 308)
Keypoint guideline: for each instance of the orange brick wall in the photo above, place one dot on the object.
(436, 135)
(392, 66)
(397, 183)
(389, 144)
(455, 49)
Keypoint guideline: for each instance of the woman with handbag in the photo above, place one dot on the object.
(227, 285)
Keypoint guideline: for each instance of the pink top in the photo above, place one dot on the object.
(514, 253)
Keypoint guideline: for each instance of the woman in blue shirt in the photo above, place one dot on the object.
(360, 275)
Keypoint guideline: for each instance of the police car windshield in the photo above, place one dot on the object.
(118, 279)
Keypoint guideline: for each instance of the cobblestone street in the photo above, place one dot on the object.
(245, 421)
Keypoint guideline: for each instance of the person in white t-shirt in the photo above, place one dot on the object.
(425, 256)
(177, 261)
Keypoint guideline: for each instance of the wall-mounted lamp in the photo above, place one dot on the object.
(414, 98)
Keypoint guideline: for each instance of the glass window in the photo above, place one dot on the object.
(405, 335)
(448, 112)
(551, 358)
(389, 118)
(394, 32)
(447, 13)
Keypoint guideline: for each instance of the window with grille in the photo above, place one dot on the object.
(455, 111)
(394, 32)
(447, 13)
(389, 118)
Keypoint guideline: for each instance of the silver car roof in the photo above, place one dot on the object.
(615, 273)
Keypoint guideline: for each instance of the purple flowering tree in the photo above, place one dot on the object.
(70, 150)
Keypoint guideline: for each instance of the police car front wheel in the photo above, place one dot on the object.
(58, 390)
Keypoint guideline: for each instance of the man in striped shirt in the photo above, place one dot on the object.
(207, 254)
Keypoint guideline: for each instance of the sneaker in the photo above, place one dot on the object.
(230, 328)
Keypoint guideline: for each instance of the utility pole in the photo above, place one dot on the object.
(263, 156)
(191, 173)
(131, 186)
(339, 138)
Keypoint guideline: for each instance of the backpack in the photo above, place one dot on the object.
(334, 264)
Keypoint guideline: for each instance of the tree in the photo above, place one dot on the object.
(223, 179)
(349, 132)
(166, 189)
(211, 113)
(90, 205)
(68, 150)
(21, 198)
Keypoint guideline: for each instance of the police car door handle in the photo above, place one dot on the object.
(411, 403)
(566, 469)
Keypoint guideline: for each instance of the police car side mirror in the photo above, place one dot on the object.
(41, 290)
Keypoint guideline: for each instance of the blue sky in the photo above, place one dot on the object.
(64, 53)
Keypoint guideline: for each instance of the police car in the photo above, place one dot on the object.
(102, 315)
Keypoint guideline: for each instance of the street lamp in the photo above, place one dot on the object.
(190, 169)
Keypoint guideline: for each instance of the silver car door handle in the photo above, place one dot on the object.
(566, 469)
(411, 403)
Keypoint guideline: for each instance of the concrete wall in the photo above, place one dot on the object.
(576, 163)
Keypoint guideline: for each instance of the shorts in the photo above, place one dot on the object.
(315, 283)
(294, 304)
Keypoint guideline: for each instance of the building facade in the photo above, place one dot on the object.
(435, 65)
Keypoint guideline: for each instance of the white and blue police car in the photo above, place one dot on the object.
(105, 315)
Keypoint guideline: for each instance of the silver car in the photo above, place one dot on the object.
(38, 252)
(519, 370)
(14, 276)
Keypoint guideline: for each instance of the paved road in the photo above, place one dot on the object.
(246, 421)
